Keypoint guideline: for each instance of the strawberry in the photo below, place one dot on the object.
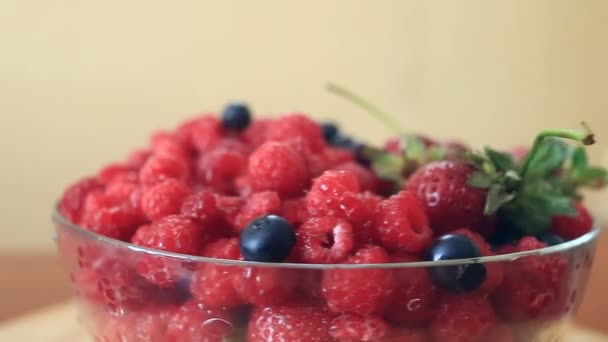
(571, 227)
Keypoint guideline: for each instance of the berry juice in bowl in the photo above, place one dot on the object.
(237, 228)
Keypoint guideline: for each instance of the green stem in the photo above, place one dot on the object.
(585, 137)
(369, 107)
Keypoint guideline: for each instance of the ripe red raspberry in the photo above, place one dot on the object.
(534, 286)
(117, 172)
(166, 145)
(407, 335)
(149, 325)
(212, 284)
(571, 227)
(327, 159)
(205, 133)
(463, 318)
(350, 327)
(365, 291)
(201, 207)
(244, 186)
(194, 322)
(229, 206)
(300, 129)
(158, 168)
(294, 210)
(334, 193)
(112, 217)
(258, 204)
(365, 233)
(256, 133)
(278, 167)
(72, 201)
(367, 179)
(401, 224)
(219, 167)
(415, 298)
(494, 270)
(137, 158)
(501, 333)
(324, 240)
(289, 323)
(173, 233)
(164, 199)
(264, 285)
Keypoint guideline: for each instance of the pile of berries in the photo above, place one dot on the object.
(293, 190)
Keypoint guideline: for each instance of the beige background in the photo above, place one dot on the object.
(81, 82)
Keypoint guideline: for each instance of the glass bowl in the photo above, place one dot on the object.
(220, 300)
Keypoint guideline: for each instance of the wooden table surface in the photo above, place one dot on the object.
(58, 324)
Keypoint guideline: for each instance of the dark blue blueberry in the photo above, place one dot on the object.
(457, 278)
(330, 130)
(359, 152)
(504, 236)
(551, 239)
(342, 141)
(236, 117)
(268, 238)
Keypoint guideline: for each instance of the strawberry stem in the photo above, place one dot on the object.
(369, 107)
(585, 137)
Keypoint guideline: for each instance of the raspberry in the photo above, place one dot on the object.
(367, 179)
(265, 286)
(138, 158)
(415, 296)
(350, 327)
(244, 186)
(360, 291)
(407, 335)
(571, 227)
(158, 168)
(205, 133)
(294, 210)
(117, 172)
(194, 322)
(366, 231)
(494, 270)
(401, 224)
(164, 199)
(145, 326)
(324, 240)
(298, 128)
(256, 133)
(229, 207)
(167, 145)
(534, 286)
(219, 167)
(201, 207)
(173, 233)
(463, 318)
(334, 193)
(258, 204)
(212, 284)
(327, 159)
(278, 167)
(72, 202)
(289, 323)
(501, 333)
(112, 217)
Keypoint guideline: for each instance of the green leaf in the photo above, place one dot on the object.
(592, 176)
(502, 161)
(524, 219)
(550, 156)
(480, 180)
(474, 159)
(387, 166)
(579, 160)
(436, 153)
(414, 148)
(497, 196)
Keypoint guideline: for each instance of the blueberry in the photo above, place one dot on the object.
(550, 239)
(342, 141)
(268, 238)
(359, 152)
(457, 278)
(236, 117)
(330, 130)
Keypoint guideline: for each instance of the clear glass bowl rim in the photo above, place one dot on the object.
(563, 247)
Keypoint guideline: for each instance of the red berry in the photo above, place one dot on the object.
(72, 202)
(278, 167)
(289, 323)
(258, 204)
(367, 179)
(229, 206)
(365, 233)
(360, 291)
(450, 203)
(349, 327)
(205, 133)
(402, 224)
(494, 270)
(463, 318)
(219, 167)
(112, 217)
(194, 322)
(571, 227)
(534, 286)
(415, 296)
(327, 159)
(164, 199)
(212, 284)
(117, 172)
(407, 335)
(265, 285)
(256, 133)
(138, 158)
(294, 210)
(501, 333)
(324, 240)
(201, 207)
(145, 326)
(168, 145)
(334, 193)
(244, 185)
(300, 129)
(159, 168)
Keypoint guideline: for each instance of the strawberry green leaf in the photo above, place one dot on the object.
(592, 176)
(437, 153)
(414, 148)
(480, 180)
(497, 196)
(387, 166)
(524, 218)
(549, 157)
(502, 161)
(579, 160)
